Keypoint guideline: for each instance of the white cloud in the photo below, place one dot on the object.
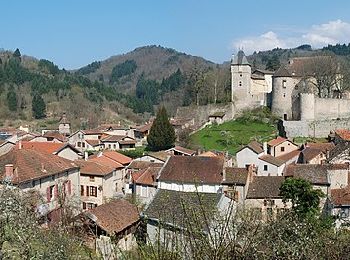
(317, 36)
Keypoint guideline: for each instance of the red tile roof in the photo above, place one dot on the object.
(146, 176)
(30, 164)
(263, 187)
(144, 128)
(103, 160)
(277, 141)
(138, 165)
(114, 216)
(208, 154)
(113, 138)
(93, 142)
(341, 197)
(289, 156)
(118, 157)
(55, 134)
(236, 176)
(94, 168)
(182, 150)
(193, 169)
(47, 147)
(343, 134)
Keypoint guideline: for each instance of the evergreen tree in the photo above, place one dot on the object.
(162, 133)
(12, 100)
(273, 63)
(38, 107)
(17, 54)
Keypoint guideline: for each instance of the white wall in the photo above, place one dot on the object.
(246, 157)
(205, 188)
(272, 170)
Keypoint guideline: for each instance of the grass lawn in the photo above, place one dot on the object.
(302, 140)
(232, 135)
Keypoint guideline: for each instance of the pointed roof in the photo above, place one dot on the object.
(282, 72)
(240, 59)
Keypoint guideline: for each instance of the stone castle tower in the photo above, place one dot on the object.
(241, 72)
(64, 126)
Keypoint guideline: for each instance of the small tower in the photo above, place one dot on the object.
(64, 126)
(241, 77)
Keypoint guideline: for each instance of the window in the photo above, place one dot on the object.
(284, 83)
(285, 116)
(284, 94)
(84, 205)
(91, 205)
(82, 190)
(110, 146)
(282, 149)
(240, 83)
(93, 191)
(83, 144)
(79, 144)
(240, 75)
(269, 212)
(114, 146)
(50, 192)
(92, 178)
(265, 167)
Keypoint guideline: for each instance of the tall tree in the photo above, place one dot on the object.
(17, 54)
(305, 200)
(12, 100)
(38, 107)
(162, 133)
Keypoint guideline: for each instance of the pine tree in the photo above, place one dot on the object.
(17, 54)
(162, 133)
(12, 100)
(38, 107)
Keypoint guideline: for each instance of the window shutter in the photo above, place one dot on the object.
(48, 194)
(84, 205)
(87, 191)
(55, 191)
(69, 187)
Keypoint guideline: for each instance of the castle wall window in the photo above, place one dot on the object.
(284, 83)
(240, 75)
(282, 149)
(284, 94)
(240, 83)
(265, 167)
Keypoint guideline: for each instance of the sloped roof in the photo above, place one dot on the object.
(193, 169)
(309, 153)
(263, 187)
(218, 114)
(315, 173)
(146, 176)
(93, 142)
(144, 128)
(208, 154)
(55, 134)
(31, 164)
(104, 160)
(240, 59)
(47, 147)
(339, 149)
(179, 208)
(113, 138)
(118, 157)
(114, 216)
(278, 140)
(343, 134)
(254, 146)
(138, 165)
(182, 150)
(236, 176)
(93, 168)
(341, 197)
(271, 159)
(282, 72)
(289, 156)
(161, 155)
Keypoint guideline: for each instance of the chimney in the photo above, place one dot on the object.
(20, 144)
(327, 154)
(43, 167)
(224, 174)
(265, 147)
(8, 171)
(86, 156)
(251, 172)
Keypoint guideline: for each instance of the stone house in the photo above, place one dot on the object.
(172, 211)
(99, 183)
(142, 132)
(6, 146)
(341, 136)
(340, 205)
(145, 183)
(192, 174)
(263, 196)
(340, 154)
(280, 146)
(117, 129)
(269, 165)
(48, 175)
(82, 138)
(117, 220)
(315, 153)
(217, 117)
(248, 155)
(64, 125)
(235, 183)
(117, 142)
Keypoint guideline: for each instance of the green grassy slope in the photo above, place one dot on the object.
(232, 135)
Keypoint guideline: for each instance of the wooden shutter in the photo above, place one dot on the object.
(48, 197)
(84, 205)
(69, 187)
(55, 191)
(87, 191)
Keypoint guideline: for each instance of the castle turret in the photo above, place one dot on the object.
(241, 76)
(307, 106)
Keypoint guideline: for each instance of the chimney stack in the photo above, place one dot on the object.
(8, 171)
(265, 147)
(86, 156)
(20, 144)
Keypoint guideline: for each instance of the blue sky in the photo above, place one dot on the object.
(76, 32)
